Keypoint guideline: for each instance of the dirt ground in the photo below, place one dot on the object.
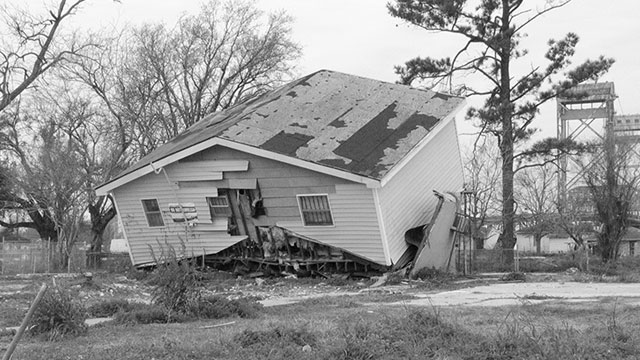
(16, 293)
(579, 306)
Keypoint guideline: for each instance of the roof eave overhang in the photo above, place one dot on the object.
(153, 166)
(422, 143)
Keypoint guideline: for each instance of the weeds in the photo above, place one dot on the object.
(147, 314)
(218, 307)
(514, 276)
(433, 278)
(108, 308)
(177, 283)
(276, 335)
(58, 315)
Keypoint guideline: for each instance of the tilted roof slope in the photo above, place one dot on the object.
(350, 123)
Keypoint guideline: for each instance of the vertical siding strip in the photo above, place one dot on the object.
(407, 200)
(383, 233)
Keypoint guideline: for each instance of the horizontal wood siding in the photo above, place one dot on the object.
(407, 200)
(141, 237)
(356, 228)
(355, 223)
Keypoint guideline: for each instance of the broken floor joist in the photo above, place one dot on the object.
(279, 249)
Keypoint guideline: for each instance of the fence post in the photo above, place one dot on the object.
(68, 260)
(48, 255)
(25, 322)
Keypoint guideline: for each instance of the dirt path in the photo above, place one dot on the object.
(516, 293)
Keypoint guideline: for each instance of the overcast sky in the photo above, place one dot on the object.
(359, 37)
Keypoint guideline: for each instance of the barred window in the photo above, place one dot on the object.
(315, 210)
(152, 212)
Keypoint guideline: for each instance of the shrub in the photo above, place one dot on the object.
(177, 283)
(108, 308)
(58, 315)
(514, 276)
(217, 307)
(147, 314)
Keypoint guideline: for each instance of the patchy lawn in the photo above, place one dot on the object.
(341, 320)
(343, 328)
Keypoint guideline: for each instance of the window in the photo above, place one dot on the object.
(632, 248)
(153, 213)
(315, 210)
(219, 206)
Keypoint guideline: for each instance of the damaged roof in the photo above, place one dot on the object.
(350, 123)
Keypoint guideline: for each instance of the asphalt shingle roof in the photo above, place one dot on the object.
(351, 123)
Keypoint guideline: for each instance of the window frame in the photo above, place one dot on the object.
(302, 211)
(155, 212)
(211, 207)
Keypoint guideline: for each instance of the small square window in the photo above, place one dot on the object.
(315, 210)
(152, 212)
(219, 206)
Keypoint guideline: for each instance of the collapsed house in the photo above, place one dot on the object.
(328, 170)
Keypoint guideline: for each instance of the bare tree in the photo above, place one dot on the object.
(45, 181)
(31, 45)
(536, 194)
(613, 184)
(482, 174)
(492, 31)
(153, 81)
(576, 217)
(16, 164)
(157, 80)
(146, 85)
(99, 153)
(226, 53)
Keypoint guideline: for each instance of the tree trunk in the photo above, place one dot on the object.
(537, 239)
(94, 255)
(99, 221)
(507, 238)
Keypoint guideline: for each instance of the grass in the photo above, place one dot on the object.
(360, 326)
(345, 328)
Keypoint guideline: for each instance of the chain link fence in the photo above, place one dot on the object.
(477, 261)
(40, 256)
(474, 261)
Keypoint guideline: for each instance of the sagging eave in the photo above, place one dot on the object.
(106, 188)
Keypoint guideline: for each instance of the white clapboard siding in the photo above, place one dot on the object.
(196, 176)
(204, 170)
(356, 226)
(355, 223)
(212, 165)
(209, 237)
(279, 183)
(407, 200)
